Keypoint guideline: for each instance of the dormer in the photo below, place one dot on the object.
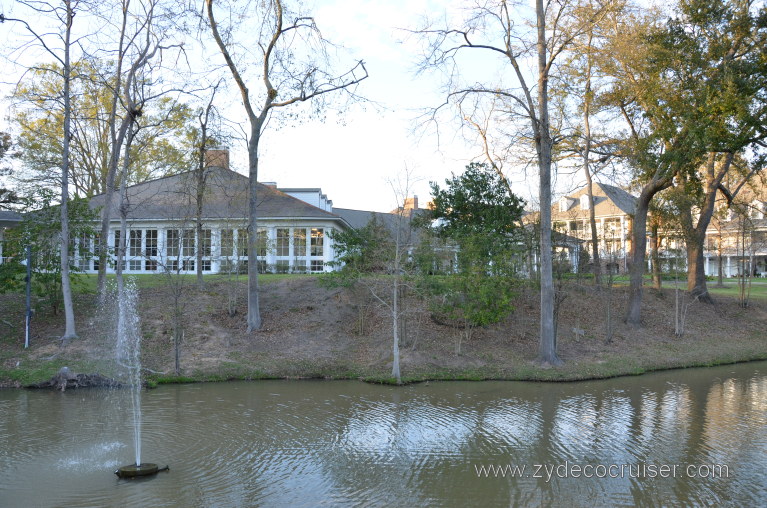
(566, 203)
(584, 202)
(756, 210)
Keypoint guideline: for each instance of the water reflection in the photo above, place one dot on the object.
(348, 443)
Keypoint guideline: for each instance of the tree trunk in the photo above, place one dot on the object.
(696, 273)
(254, 311)
(548, 345)
(655, 247)
(720, 268)
(66, 288)
(116, 140)
(638, 247)
(587, 170)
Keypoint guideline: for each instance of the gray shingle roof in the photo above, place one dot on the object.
(226, 196)
(622, 199)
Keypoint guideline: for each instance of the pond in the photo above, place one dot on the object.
(685, 437)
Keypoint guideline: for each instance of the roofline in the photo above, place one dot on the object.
(333, 218)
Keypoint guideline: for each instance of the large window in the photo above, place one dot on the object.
(262, 243)
(151, 242)
(299, 242)
(187, 243)
(172, 237)
(283, 242)
(318, 242)
(83, 252)
(206, 242)
(242, 242)
(134, 244)
(227, 242)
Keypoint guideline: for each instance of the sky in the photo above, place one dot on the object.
(369, 155)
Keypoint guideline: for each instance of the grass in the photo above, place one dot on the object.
(86, 283)
(758, 289)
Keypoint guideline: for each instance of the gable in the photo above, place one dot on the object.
(225, 196)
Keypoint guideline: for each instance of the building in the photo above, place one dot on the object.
(294, 226)
(8, 219)
(613, 209)
(736, 239)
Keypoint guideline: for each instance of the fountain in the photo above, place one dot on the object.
(128, 357)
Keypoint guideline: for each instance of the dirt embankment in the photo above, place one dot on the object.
(311, 331)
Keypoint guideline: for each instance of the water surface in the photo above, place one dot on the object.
(346, 443)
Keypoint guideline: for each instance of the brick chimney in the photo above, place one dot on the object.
(411, 203)
(217, 157)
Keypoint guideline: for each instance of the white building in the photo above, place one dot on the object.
(294, 226)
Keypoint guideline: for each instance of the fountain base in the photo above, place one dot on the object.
(145, 469)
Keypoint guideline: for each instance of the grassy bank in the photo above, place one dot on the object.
(313, 332)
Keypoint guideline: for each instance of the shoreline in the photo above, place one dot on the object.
(311, 332)
(153, 380)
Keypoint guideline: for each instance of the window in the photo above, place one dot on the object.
(318, 241)
(84, 253)
(227, 242)
(317, 265)
(242, 243)
(206, 265)
(135, 264)
(283, 242)
(172, 265)
(151, 242)
(134, 244)
(283, 266)
(117, 241)
(206, 242)
(187, 243)
(261, 242)
(299, 266)
(150, 265)
(585, 202)
(172, 242)
(299, 243)
(188, 265)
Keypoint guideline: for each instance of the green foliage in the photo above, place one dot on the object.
(478, 221)
(477, 202)
(161, 147)
(366, 250)
(41, 230)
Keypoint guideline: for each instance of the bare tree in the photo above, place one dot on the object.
(285, 80)
(493, 28)
(140, 46)
(204, 139)
(65, 16)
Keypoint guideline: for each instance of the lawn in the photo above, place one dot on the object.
(86, 283)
